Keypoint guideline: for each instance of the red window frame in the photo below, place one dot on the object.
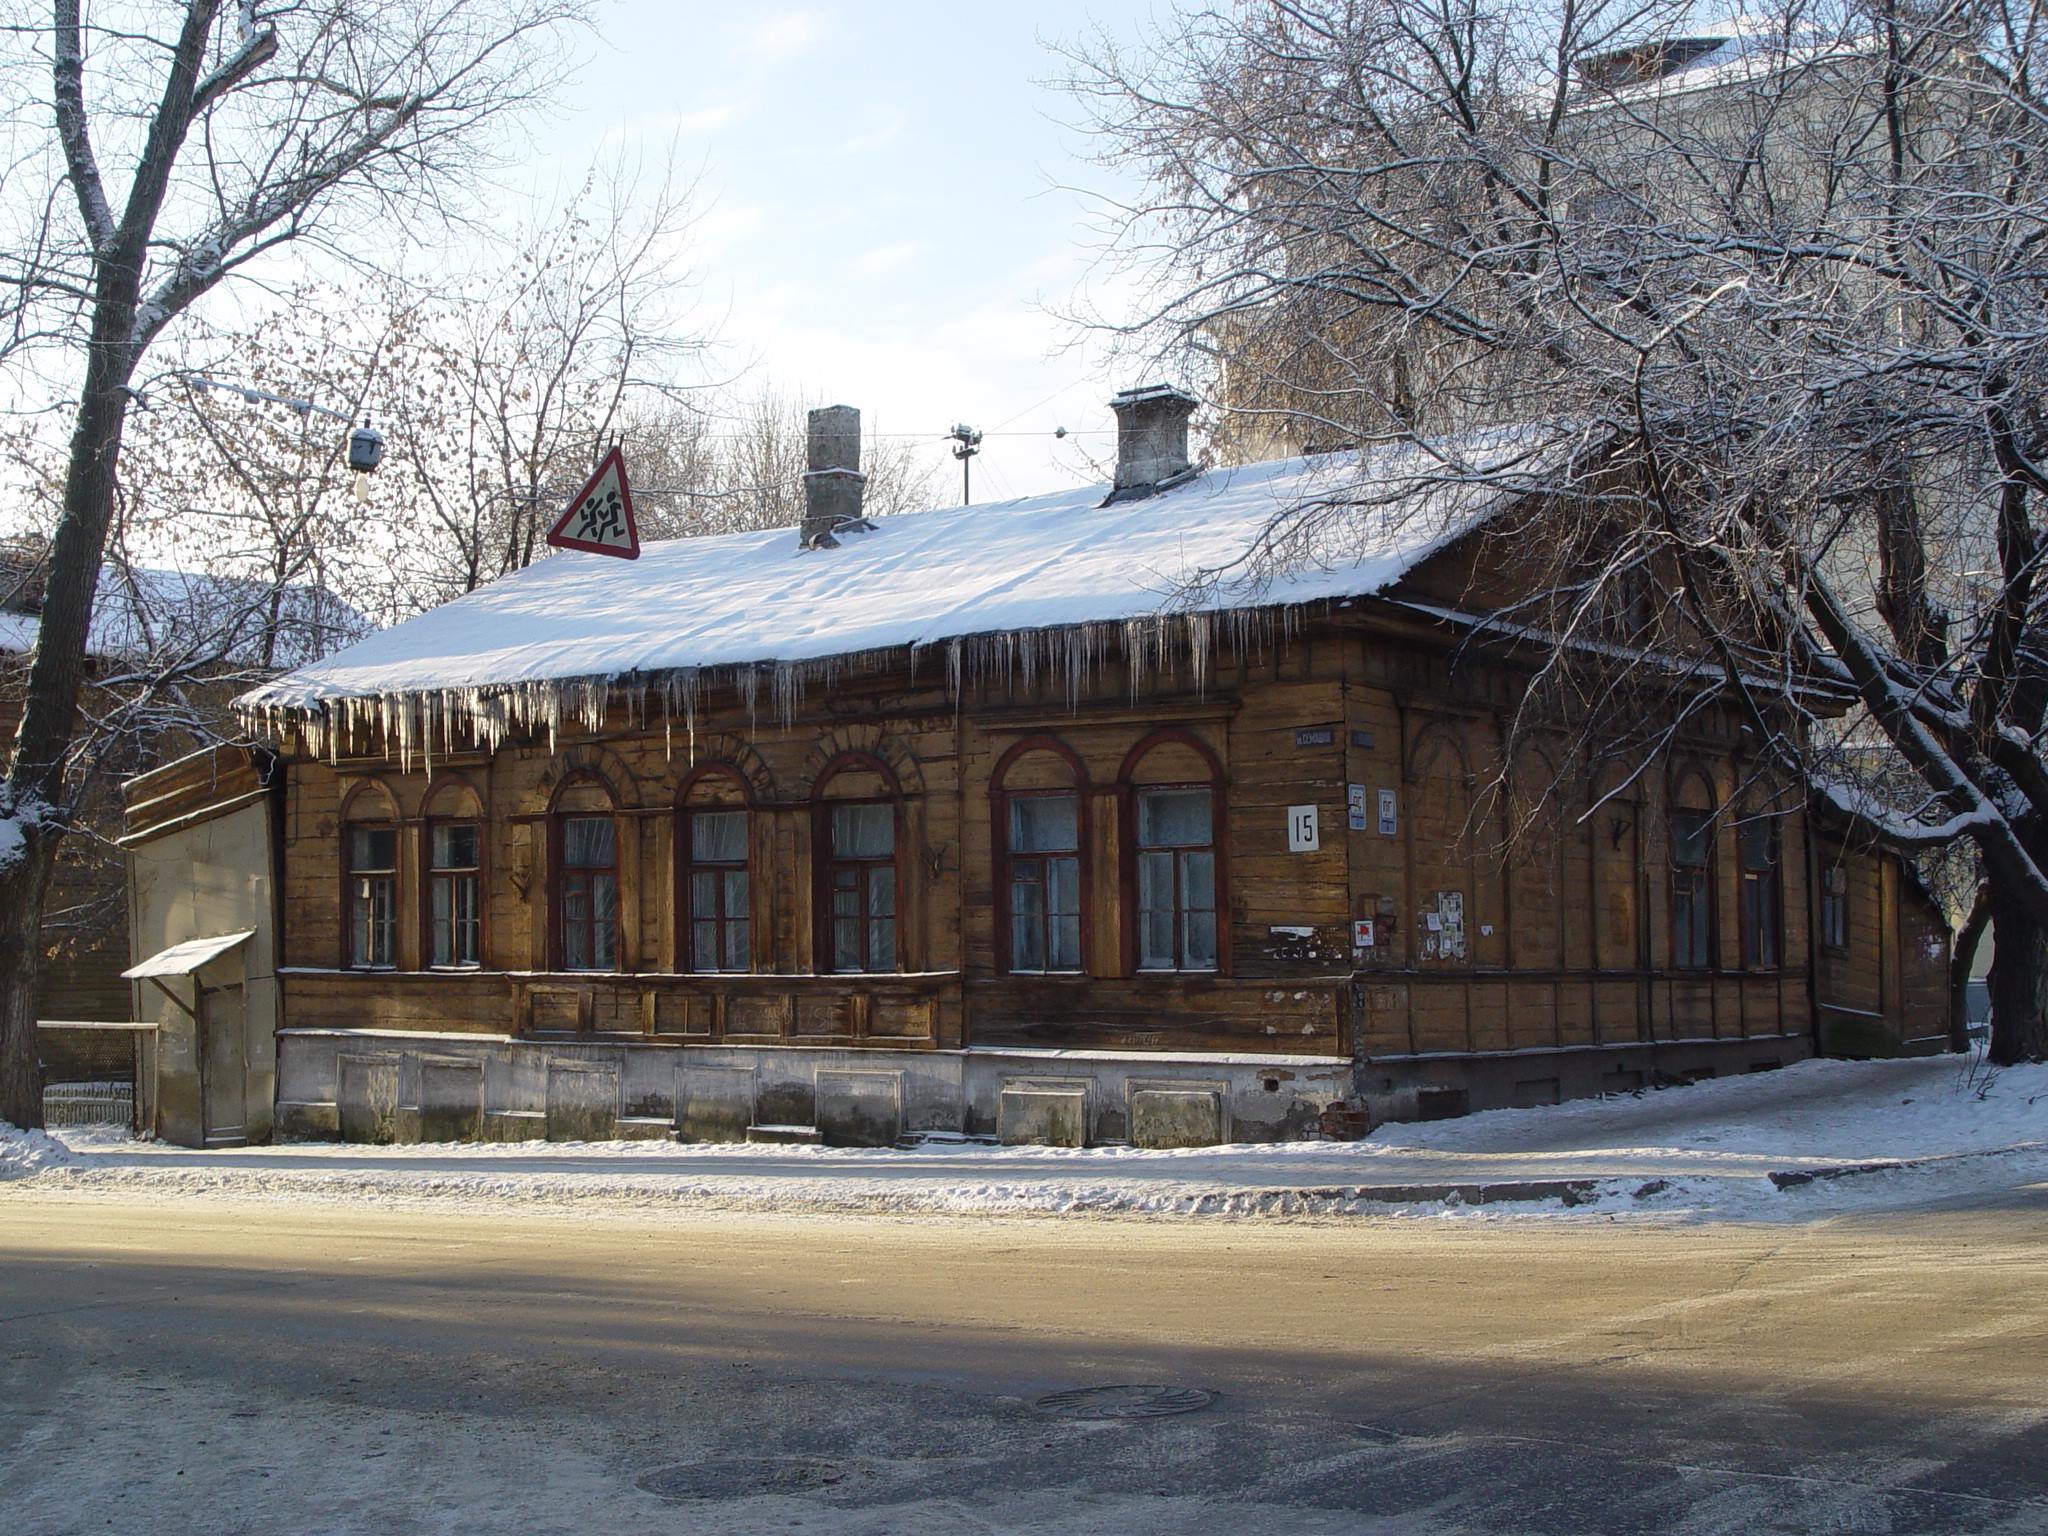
(387, 878)
(1128, 790)
(453, 801)
(582, 878)
(828, 865)
(687, 867)
(1007, 861)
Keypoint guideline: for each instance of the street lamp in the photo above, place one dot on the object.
(365, 443)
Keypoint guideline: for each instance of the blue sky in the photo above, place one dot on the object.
(883, 217)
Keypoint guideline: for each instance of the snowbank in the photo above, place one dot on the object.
(1770, 1146)
(23, 1153)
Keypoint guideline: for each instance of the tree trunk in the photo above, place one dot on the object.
(33, 794)
(2019, 979)
(22, 886)
(1961, 959)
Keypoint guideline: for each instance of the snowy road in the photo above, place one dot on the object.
(203, 1365)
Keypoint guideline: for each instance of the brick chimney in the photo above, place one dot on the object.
(1151, 441)
(833, 483)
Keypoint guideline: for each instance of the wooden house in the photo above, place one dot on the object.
(1063, 820)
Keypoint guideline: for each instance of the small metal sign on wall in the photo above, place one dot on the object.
(1304, 834)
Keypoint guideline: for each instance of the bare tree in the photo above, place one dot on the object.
(735, 462)
(509, 385)
(1778, 288)
(186, 143)
(251, 484)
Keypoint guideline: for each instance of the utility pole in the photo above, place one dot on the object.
(966, 443)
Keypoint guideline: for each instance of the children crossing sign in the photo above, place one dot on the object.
(599, 518)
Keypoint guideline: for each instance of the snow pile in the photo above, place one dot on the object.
(24, 1153)
(1816, 1111)
(1046, 586)
(1939, 1126)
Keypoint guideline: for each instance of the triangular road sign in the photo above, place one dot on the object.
(599, 518)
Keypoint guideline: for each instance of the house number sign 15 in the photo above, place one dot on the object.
(1303, 832)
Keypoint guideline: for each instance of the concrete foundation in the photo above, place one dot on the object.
(1164, 1118)
(1042, 1117)
(368, 1085)
(372, 1085)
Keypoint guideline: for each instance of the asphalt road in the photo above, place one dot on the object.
(192, 1365)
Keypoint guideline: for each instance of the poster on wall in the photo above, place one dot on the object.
(1390, 821)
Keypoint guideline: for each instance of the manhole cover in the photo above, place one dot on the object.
(1123, 1402)
(740, 1477)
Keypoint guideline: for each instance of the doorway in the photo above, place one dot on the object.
(223, 1029)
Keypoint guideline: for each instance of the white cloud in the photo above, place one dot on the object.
(888, 125)
(885, 258)
(681, 126)
(782, 34)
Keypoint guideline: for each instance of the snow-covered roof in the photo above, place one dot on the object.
(142, 612)
(1234, 539)
(1739, 53)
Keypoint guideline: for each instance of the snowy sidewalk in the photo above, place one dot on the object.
(1710, 1150)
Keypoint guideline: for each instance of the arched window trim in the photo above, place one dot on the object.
(1000, 797)
(1682, 776)
(460, 788)
(684, 866)
(352, 820)
(556, 949)
(822, 862)
(1127, 839)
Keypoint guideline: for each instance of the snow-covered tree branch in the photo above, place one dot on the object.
(1792, 266)
(219, 133)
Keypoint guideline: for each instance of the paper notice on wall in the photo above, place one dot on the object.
(1443, 922)
(1354, 807)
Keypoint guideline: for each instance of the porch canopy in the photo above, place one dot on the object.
(183, 958)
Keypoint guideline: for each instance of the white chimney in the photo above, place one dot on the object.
(833, 483)
(1151, 441)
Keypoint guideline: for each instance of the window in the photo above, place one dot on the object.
(1045, 881)
(590, 893)
(1758, 841)
(860, 885)
(715, 890)
(1692, 890)
(455, 894)
(373, 896)
(1834, 909)
(1176, 868)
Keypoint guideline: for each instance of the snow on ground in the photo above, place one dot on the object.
(28, 1152)
(1943, 1126)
